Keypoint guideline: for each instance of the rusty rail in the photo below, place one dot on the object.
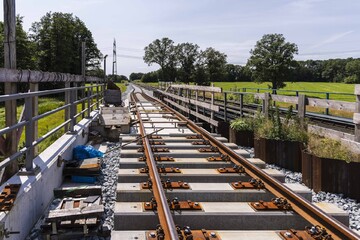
(304, 208)
(164, 213)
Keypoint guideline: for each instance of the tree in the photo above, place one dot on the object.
(215, 63)
(272, 60)
(187, 54)
(353, 71)
(25, 49)
(135, 76)
(58, 37)
(162, 52)
(150, 77)
(334, 70)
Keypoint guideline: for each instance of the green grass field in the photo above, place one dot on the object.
(337, 91)
(311, 88)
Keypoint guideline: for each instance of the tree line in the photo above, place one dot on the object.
(53, 44)
(272, 60)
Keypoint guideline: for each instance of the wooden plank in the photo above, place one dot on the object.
(332, 104)
(259, 96)
(357, 89)
(75, 213)
(285, 99)
(205, 118)
(301, 106)
(193, 101)
(83, 190)
(199, 88)
(356, 118)
(69, 204)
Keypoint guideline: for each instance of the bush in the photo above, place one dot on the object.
(330, 148)
(352, 79)
(242, 124)
(150, 77)
(248, 123)
(289, 129)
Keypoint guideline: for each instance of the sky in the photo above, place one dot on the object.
(322, 29)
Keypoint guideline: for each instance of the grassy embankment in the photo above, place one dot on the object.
(48, 123)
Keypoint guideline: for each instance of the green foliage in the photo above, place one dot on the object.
(187, 54)
(117, 78)
(58, 37)
(135, 76)
(290, 129)
(215, 63)
(25, 49)
(237, 73)
(272, 60)
(242, 124)
(352, 79)
(150, 77)
(330, 148)
(162, 52)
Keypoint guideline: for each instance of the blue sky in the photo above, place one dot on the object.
(322, 29)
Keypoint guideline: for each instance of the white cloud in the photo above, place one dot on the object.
(332, 39)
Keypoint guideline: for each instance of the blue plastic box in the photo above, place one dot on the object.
(83, 179)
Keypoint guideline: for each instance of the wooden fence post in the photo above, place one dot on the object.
(301, 107)
(10, 87)
(266, 104)
(356, 117)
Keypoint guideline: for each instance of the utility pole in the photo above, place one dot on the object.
(114, 66)
(105, 67)
(10, 88)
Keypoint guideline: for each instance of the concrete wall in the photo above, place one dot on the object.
(37, 191)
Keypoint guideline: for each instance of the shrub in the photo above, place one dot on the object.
(289, 129)
(242, 124)
(248, 123)
(330, 148)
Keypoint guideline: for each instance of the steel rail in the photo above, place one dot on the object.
(304, 208)
(165, 218)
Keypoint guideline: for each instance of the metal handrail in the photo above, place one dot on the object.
(29, 121)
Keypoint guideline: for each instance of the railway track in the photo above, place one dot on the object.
(183, 182)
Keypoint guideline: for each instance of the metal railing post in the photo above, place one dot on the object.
(327, 98)
(89, 98)
(29, 133)
(73, 108)
(67, 101)
(97, 95)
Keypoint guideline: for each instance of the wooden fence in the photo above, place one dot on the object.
(199, 101)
